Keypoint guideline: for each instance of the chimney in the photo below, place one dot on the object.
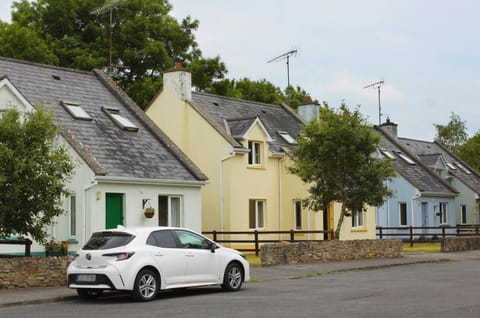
(390, 128)
(179, 81)
(309, 110)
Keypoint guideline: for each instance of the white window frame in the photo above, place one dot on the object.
(170, 216)
(358, 219)
(297, 214)
(443, 206)
(255, 155)
(400, 211)
(259, 211)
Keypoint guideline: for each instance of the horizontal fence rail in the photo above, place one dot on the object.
(257, 238)
(422, 234)
(27, 243)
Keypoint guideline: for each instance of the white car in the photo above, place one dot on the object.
(146, 260)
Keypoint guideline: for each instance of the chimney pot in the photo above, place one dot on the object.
(178, 64)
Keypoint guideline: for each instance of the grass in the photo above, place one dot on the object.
(428, 247)
(254, 260)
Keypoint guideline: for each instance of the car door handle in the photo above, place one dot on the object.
(158, 254)
(190, 255)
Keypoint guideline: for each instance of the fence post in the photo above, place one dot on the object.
(214, 235)
(292, 235)
(380, 233)
(28, 245)
(443, 232)
(257, 250)
(411, 236)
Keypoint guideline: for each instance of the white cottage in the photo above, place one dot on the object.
(124, 164)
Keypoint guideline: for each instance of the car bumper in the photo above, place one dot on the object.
(105, 278)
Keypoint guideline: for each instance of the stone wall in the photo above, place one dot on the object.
(328, 251)
(33, 271)
(458, 244)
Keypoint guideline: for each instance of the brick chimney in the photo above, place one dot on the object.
(179, 81)
(309, 110)
(390, 128)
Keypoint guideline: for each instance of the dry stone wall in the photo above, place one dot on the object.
(458, 244)
(33, 271)
(328, 251)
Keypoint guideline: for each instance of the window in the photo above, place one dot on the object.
(192, 240)
(387, 154)
(169, 211)
(451, 166)
(463, 168)
(286, 136)
(118, 119)
(255, 154)
(464, 214)
(297, 206)
(406, 158)
(162, 239)
(73, 215)
(256, 214)
(403, 213)
(76, 111)
(443, 212)
(358, 218)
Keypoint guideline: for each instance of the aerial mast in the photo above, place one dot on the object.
(285, 56)
(377, 85)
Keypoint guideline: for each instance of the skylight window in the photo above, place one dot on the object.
(286, 136)
(122, 122)
(451, 166)
(387, 154)
(406, 158)
(76, 111)
(463, 168)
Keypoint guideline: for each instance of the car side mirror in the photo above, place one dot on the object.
(213, 247)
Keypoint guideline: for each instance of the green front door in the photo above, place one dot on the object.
(113, 210)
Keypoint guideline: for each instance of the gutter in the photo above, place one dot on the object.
(130, 180)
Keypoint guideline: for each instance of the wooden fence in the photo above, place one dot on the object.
(27, 243)
(258, 237)
(422, 234)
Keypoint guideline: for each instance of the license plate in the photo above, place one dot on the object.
(85, 278)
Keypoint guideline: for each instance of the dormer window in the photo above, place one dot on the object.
(122, 122)
(255, 154)
(76, 111)
(286, 136)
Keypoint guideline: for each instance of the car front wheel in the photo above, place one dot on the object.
(146, 285)
(233, 278)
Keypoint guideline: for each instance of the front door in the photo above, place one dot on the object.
(424, 216)
(113, 210)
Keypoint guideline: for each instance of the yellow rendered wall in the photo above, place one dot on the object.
(349, 233)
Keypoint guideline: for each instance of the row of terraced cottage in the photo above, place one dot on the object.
(209, 162)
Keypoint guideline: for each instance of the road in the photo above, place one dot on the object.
(448, 289)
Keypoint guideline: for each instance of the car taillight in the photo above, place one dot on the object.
(120, 256)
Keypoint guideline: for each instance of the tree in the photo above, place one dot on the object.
(146, 41)
(335, 155)
(33, 172)
(452, 135)
(470, 150)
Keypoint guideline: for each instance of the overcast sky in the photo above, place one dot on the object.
(426, 52)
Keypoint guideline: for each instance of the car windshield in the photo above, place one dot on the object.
(106, 240)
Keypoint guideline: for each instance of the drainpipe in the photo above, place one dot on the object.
(221, 190)
(84, 210)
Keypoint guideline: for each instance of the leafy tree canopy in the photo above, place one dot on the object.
(452, 135)
(335, 155)
(32, 173)
(470, 150)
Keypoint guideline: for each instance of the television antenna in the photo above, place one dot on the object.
(109, 6)
(377, 85)
(285, 56)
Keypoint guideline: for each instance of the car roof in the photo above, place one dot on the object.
(142, 230)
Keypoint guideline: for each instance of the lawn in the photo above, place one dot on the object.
(428, 247)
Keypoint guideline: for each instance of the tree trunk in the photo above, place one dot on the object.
(340, 222)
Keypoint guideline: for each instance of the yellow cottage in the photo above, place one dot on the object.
(242, 147)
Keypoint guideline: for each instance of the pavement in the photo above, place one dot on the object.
(25, 296)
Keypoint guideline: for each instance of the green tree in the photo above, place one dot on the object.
(335, 155)
(146, 40)
(470, 150)
(452, 135)
(33, 172)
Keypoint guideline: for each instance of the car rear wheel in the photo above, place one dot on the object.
(89, 293)
(146, 285)
(233, 278)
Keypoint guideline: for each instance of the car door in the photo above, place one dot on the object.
(202, 264)
(169, 257)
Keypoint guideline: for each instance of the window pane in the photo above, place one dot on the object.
(403, 214)
(251, 214)
(175, 211)
(464, 214)
(257, 153)
(73, 216)
(298, 214)
(260, 208)
(191, 240)
(163, 211)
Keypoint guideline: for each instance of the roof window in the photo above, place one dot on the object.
(76, 111)
(451, 166)
(387, 154)
(286, 136)
(122, 122)
(462, 167)
(406, 158)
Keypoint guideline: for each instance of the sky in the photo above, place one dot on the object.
(427, 53)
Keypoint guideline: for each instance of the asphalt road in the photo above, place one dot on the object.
(447, 289)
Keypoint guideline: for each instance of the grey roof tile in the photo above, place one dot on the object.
(109, 150)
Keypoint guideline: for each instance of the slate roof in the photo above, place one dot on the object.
(417, 174)
(110, 151)
(221, 111)
(422, 148)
